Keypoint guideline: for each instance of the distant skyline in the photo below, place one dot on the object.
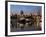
(26, 9)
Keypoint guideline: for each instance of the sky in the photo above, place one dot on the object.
(26, 9)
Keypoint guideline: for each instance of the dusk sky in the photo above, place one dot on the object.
(27, 9)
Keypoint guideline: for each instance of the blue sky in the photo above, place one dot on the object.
(26, 9)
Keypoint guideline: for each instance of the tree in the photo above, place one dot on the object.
(21, 12)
